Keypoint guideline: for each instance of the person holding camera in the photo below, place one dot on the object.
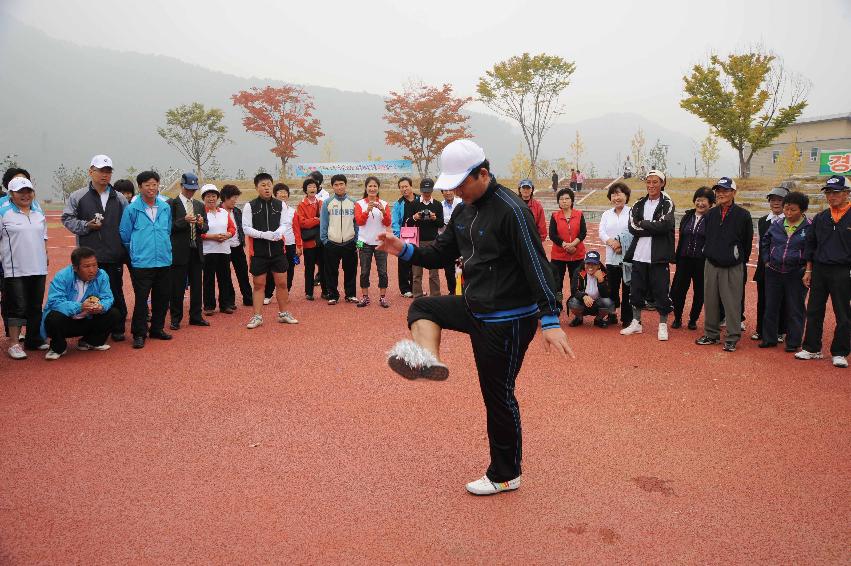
(429, 219)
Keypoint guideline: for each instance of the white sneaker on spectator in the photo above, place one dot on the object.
(663, 331)
(485, 486)
(744, 326)
(16, 352)
(633, 328)
(255, 321)
(84, 346)
(51, 355)
(267, 300)
(287, 317)
(805, 355)
(840, 361)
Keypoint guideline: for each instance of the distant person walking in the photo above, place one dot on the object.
(555, 181)
(580, 180)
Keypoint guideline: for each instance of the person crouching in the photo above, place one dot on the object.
(589, 292)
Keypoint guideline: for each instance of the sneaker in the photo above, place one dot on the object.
(364, 302)
(805, 355)
(317, 283)
(44, 346)
(267, 300)
(332, 301)
(755, 336)
(16, 352)
(706, 341)
(84, 346)
(287, 318)
(744, 326)
(352, 299)
(692, 325)
(840, 361)
(408, 295)
(412, 361)
(633, 328)
(485, 486)
(729, 346)
(781, 337)
(663, 332)
(51, 355)
(384, 302)
(255, 321)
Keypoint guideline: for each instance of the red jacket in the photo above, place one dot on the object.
(566, 230)
(538, 214)
(308, 217)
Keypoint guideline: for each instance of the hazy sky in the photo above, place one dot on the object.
(630, 56)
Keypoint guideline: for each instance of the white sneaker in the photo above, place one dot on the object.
(44, 347)
(255, 321)
(84, 346)
(633, 328)
(408, 295)
(744, 326)
(16, 352)
(51, 355)
(663, 331)
(287, 317)
(484, 486)
(267, 301)
(804, 355)
(840, 361)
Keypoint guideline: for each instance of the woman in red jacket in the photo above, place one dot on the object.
(308, 218)
(527, 190)
(567, 231)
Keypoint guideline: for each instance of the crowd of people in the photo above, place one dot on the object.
(210, 246)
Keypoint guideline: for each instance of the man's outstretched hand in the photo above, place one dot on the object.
(389, 243)
(556, 339)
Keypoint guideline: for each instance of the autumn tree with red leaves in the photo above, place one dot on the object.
(423, 120)
(284, 114)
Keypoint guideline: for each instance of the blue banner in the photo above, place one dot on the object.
(394, 167)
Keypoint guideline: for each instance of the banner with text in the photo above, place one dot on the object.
(835, 162)
(394, 167)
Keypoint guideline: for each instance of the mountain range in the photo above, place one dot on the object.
(64, 102)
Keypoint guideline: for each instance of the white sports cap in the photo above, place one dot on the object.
(456, 161)
(657, 173)
(209, 187)
(101, 161)
(20, 183)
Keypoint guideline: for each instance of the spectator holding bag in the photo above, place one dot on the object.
(308, 219)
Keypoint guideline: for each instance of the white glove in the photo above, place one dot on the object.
(269, 235)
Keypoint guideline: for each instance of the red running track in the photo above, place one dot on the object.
(297, 444)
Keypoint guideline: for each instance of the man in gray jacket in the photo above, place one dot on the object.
(93, 214)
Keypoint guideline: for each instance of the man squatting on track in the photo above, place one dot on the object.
(508, 287)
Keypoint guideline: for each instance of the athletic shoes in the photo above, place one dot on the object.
(351, 299)
(484, 486)
(16, 352)
(287, 318)
(663, 332)
(633, 328)
(255, 321)
(408, 295)
(840, 361)
(706, 341)
(729, 346)
(51, 355)
(412, 361)
(364, 302)
(805, 355)
(332, 301)
(84, 346)
(384, 302)
(267, 300)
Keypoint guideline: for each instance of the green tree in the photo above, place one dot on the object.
(526, 89)
(195, 132)
(709, 153)
(748, 99)
(658, 156)
(67, 181)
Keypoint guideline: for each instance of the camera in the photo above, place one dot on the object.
(98, 218)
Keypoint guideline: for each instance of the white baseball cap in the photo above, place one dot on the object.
(657, 173)
(101, 161)
(20, 183)
(209, 187)
(456, 161)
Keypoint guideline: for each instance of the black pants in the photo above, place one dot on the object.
(366, 253)
(115, 271)
(156, 283)
(689, 273)
(560, 268)
(179, 273)
(498, 350)
(216, 267)
(320, 267)
(347, 254)
(833, 281)
(760, 309)
(651, 279)
(785, 295)
(619, 298)
(312, 257)
(240, 268)
(93, 330)
(406, 276)
(22, 298)
(289, 249)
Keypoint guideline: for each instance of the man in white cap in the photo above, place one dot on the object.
(651, 222)
(509, 288)
(93, 214)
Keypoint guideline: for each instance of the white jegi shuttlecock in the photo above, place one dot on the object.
(412, 361)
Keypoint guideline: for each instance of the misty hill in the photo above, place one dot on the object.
(63, 103)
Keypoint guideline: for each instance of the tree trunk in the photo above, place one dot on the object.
(283, 168)
(198, 169)
(744, 165)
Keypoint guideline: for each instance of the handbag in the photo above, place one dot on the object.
(410, 235)
(310, 233)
